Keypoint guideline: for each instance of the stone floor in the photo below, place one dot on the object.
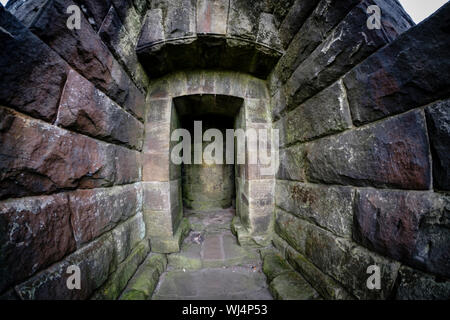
(211, 264)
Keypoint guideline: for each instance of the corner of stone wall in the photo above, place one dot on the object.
(361, 179)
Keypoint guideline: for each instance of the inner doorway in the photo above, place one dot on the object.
(208, 186)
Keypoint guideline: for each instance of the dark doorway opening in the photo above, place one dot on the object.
(208, 187)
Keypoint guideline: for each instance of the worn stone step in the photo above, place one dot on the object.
(235, 283)
(285, 283)
(146, 278)
(214, 251)
(292, 286)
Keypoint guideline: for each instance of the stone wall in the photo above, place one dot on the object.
(86, 117)
(363, 117)
(72, 105)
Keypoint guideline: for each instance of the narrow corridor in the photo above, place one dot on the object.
(212, 265)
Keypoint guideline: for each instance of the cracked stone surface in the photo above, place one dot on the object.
(212, 265)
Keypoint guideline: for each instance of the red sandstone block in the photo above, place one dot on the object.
(349, 43)
(159, 111)
(32, 75)
(157, 137)
(85, 109)
(212, 16)
(95, 260)
(152, 28)
(156, 167)
(99, 210)
(85, 52)
(157, 196)
(36, 232)
(393, 153)
(128, 165)
(438, 124)
(330, 207)
(405, 225)
(96, 10)
(40, 158)
(135, 102)
(411, 72)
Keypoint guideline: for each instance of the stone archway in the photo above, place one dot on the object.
(162, 179)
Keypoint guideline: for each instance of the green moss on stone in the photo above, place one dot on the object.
(274, 265)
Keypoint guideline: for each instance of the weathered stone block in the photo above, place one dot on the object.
(25, 11)
(254, 88)
(260, 192)
(135, 101)
(119, 279)
(158, 223)
(128, 14)
(438, 122)
(292, 163)
(157, 137)
(328, 206)
(348, 263)
(326, 15)
(278, 103)
(245, 238)
(325, 113)
(410, 72)
(156, 196)
(326, 286)
(171, 244)
(415, 285)
(280, 9)
(212, 16)
(95, 11)
(128, 164)
(347, 45)
(407, 226)
(126, 236)
(257, 110)
(274, 265)
(159, 111)
(116, 36)
(292, 286)
(85, 109)
(99, 210)
(143, 284)
(261, 221)
(85, 52)
(393, 153)
(32, 74)
(291, 21)
(162, 208)
(156, 167)
(36, 232)
(180, 19)
(152, 29)
(268, 32)
(40, 158)
(243, 18)
(96, 261)
(292, 229)
(141, 6)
